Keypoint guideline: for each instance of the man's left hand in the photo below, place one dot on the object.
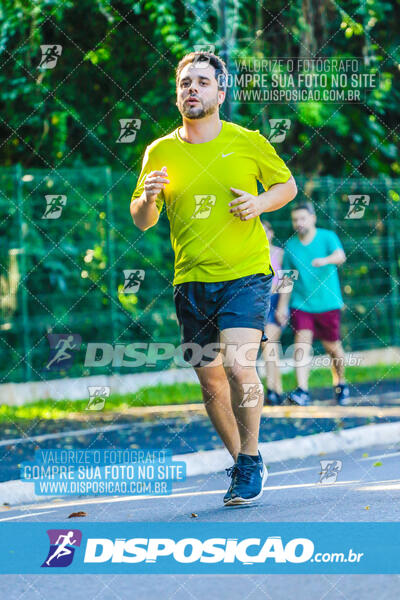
(245, 206)
(319, 262)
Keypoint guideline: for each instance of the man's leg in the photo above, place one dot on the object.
(270, 351)
(240, 348)
(303, 342)
(247, 393)
(217, 401)
(336, 352)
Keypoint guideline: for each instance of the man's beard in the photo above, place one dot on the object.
(198, 112)
(302, 230)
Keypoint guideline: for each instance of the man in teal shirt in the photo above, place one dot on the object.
(310, 276)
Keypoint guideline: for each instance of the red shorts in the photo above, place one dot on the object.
(324, 325)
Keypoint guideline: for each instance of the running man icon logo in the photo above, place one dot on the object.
(62, 349)
(286, 279)
(97, 396)
(204, 204)
(129, 128)
(50, 54)
(357, 206)
(54, 206)
(279, 129)
(252, 395)
(63, 543)
(133, 279)
(205, 61)
(329, 470)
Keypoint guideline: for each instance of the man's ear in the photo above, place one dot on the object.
(221, 97)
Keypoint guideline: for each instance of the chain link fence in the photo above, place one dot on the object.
(68, 246)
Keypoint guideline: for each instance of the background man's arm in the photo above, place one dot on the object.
(282, 309)
(337, 257)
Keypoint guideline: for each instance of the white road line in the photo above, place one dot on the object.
(86, 501)
(389, 455)
(28, 515)
(379, 487)
(314, 468)
(51, 436)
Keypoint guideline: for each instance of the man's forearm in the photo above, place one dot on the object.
(283, 301)
(337, 258)
(278, 195)
(144, 214)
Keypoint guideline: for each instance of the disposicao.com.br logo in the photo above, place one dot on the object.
(62, 547)
(212, 550)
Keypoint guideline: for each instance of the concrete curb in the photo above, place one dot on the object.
(212, 461)
(17, 394)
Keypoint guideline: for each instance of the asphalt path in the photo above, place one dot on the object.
(367, 489)
(293, 492)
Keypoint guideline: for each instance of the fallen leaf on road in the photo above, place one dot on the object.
(194, 515)
(367, 508)
(80, 513)
(377, 464)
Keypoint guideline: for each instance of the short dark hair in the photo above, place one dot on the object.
(304, 205)
(221, 72)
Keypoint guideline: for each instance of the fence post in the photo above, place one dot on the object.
(332, 204)
(112, 284)
(391, 250)
(22, 262)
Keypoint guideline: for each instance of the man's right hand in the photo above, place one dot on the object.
(154, 183)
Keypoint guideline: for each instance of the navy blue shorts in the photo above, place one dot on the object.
(205, 309)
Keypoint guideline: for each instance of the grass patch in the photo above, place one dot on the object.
(180, 393)
(160, 395)
(323, 378)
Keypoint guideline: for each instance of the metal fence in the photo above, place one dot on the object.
(67, 238)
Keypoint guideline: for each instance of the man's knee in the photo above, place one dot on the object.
(238, 375)
(333, 348)
(213, 381)
(303, 336)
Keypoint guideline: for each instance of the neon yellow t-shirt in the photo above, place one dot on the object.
(209, 242)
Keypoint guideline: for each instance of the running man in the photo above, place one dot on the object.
(222, 275)
(50, 55)
(62, 549)
(62, 346)
(55, 205)
(315, 299)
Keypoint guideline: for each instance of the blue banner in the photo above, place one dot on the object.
(193, 547)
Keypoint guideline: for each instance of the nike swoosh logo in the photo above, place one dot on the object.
(224, 155)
